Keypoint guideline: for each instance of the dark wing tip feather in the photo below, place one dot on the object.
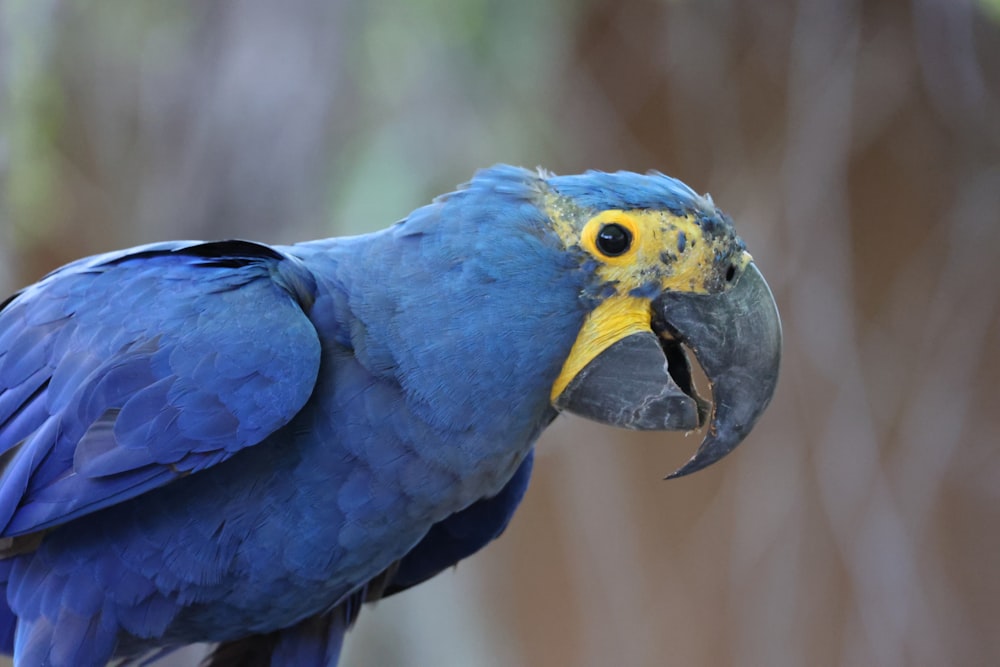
(232, 253)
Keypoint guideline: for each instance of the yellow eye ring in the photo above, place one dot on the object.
(612, 237)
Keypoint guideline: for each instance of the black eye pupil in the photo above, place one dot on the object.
(613, 240)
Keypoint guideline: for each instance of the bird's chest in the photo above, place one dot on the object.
(349, 495)
(378, 485)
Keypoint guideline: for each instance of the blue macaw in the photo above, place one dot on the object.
(238, 443)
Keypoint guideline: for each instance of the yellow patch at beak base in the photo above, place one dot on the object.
(614, 319)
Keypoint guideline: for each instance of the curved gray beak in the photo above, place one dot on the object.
(736, 338)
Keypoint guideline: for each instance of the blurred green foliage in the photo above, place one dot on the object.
(991, 7)
(448, 86)
(30, 119)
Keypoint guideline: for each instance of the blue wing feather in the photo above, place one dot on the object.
(124, 371)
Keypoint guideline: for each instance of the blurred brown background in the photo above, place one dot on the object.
(857, 145)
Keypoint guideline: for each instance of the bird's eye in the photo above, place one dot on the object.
(613, 239)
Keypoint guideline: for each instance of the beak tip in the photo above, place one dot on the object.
(694, 464)
(680, 472)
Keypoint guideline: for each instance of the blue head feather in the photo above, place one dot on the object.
(627, 190)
